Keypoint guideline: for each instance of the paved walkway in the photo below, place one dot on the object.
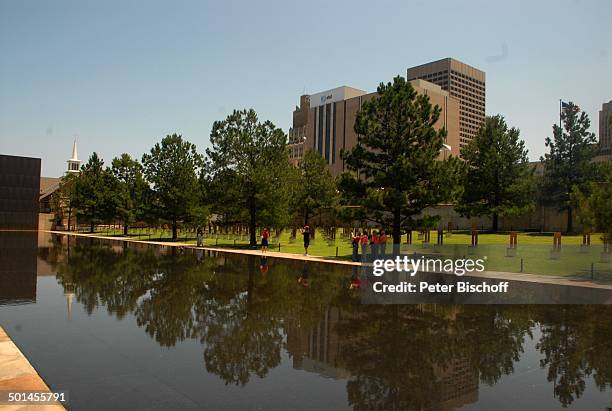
(497, 275)
(16, 374)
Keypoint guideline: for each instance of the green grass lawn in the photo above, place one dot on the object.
(534, 249)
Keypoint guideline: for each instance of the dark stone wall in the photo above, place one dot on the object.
(18, 251)
(19, 191)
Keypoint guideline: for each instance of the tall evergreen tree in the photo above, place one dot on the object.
(95, 191)
(65, 199)
(498, 180)
(396, 168)
(569, 162)
(130, 189)
(252, 157)
(594, 204)
(171, 169)
(315, 186)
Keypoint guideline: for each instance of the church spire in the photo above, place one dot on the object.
(75, 155)
(74, 163)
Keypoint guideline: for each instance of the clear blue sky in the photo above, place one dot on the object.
(123, 74)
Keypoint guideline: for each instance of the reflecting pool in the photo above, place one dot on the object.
(130, 326)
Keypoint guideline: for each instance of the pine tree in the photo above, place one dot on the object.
(172, 169)
(396, 168)
(569, 162)
(65, 198)
(95, 191)
(130, 188)
(315, 186)
(594, 203)
(249, 162)
(498, 180)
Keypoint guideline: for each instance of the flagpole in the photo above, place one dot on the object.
(560, 121)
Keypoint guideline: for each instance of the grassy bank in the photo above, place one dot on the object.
(533, 253)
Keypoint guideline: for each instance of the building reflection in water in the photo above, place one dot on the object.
(320, 350)
(18, 267)
(316, 350)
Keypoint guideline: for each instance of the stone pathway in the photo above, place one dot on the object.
(17, 374)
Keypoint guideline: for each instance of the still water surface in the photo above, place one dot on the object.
(141, 327)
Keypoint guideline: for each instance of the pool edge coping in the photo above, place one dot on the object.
(19, 375)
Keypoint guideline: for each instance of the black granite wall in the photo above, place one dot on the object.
(19, 191)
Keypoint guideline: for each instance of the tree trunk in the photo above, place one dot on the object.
(397, 234)
(91, 227)
(174, 236)
(495, 222)
(252, 238)
(69, 217)
(125, 229)
(570, 223)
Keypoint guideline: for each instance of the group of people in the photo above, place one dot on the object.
(376, 240)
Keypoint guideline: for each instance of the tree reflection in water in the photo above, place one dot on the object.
(394, 357)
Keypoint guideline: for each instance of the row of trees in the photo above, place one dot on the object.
(244, 178)
(394, 173)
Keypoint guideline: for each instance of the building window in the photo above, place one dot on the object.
(320, 137)
(334, 137)
(327, 131)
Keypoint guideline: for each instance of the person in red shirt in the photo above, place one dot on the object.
(265, 235)
(355, 239)
(375, 242)
(382, 240)
(364, 241)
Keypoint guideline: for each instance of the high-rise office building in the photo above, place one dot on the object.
(605, 126)
(325, 122)
(463, 82)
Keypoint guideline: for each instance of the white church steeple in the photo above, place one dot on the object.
(74, 163)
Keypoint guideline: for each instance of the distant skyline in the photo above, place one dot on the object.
(121, 75)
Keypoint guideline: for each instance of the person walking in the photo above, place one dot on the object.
(306, 234)
(200, 237)
(265, 235)
(364, 246)
(383, 244)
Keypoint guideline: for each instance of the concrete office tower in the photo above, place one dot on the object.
(297, 133)
(605, 126)
(463, 82)
(329, 125)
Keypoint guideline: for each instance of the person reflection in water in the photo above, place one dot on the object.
(303, 279)
(263, 265)
(355, 280)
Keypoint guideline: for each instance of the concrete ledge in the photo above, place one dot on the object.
(16, 373)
